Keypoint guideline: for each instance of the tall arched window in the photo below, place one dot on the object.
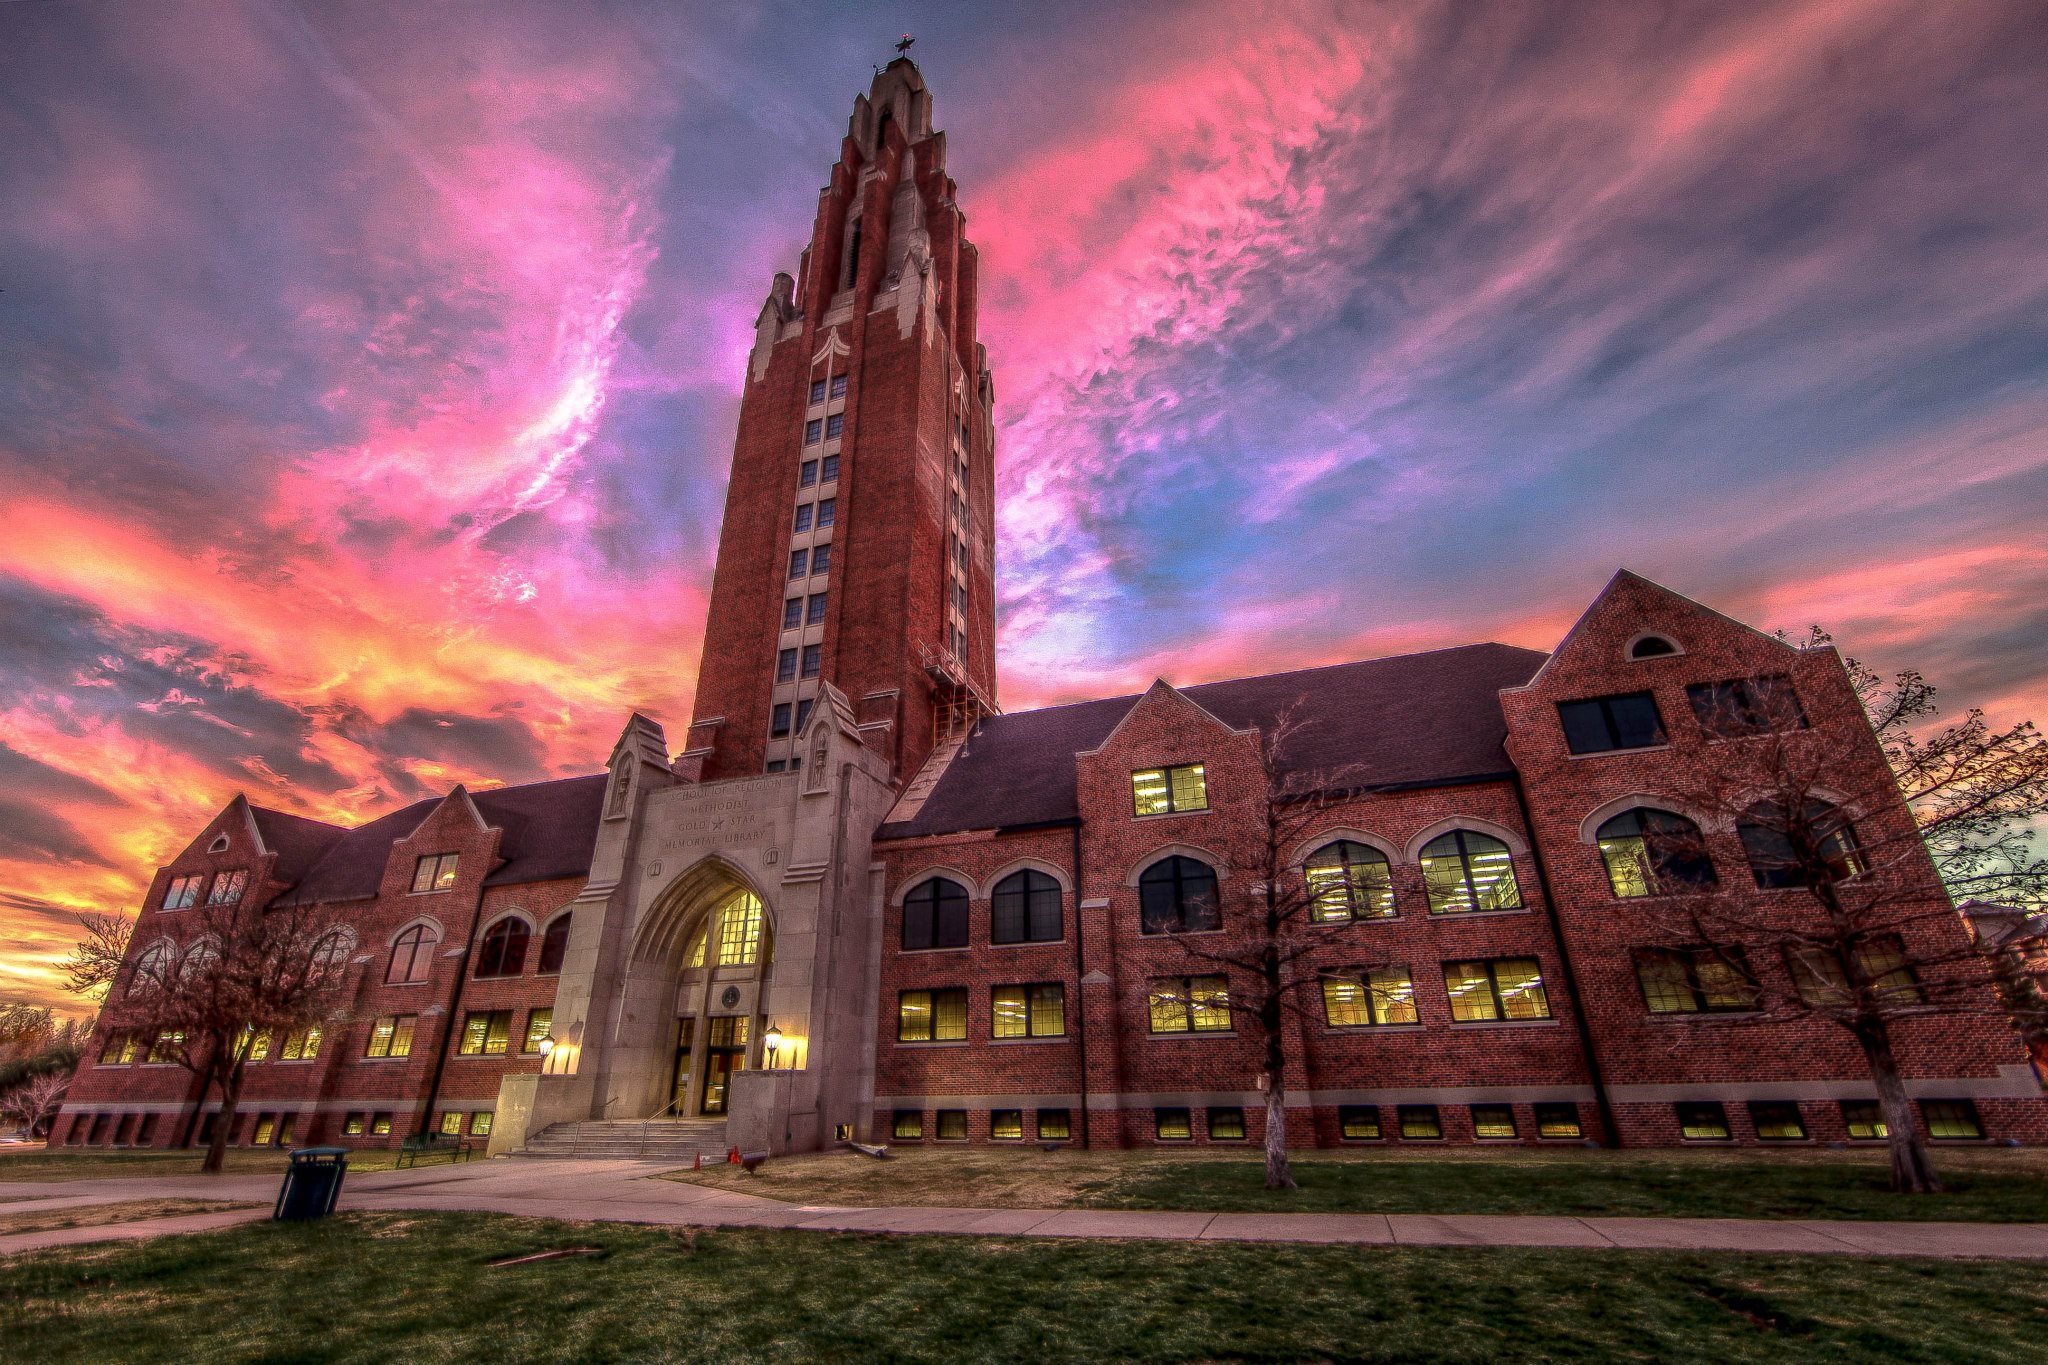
(1814, 845)
(1025, 909)
(198, 958)
(330, 954)
(1652, 852)
(1465, 871)
(150, 969)
(554, 945)
(935, 915)
(412, 955)
(739, 933)
(1349, 880)
(1177, 895)
(504, 948)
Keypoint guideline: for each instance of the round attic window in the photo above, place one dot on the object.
(219, 844)
(1652, 647)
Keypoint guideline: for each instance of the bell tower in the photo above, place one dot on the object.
(858, 547)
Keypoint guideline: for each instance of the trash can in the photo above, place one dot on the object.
(312, 1182)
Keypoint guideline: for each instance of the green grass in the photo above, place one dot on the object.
(417, 1287)
(34, 1163)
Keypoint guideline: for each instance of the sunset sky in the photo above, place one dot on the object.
(368, 372)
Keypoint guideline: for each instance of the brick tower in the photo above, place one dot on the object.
(859, 540)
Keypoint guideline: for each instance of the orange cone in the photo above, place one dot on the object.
(732, 1158)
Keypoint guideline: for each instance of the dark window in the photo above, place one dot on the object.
(777, 765)
(1558, 1121)
(486, 1033)
(938, 1016)
(1054, 1125)
(952, 1125)
(1361, 999)
(1178, 895)
(828, 512)
(960, 597)
(935, 915)
(504, 948)
(1419, 1122)
(785, 666)
(778, 720)
(1025, 909)
(808, 474)
(803, 517)
(1747, 706)
(1165, 791)
(828, 472)
(813, 656)
(1865, 1120)
(1496, 988)
(1226, 1125)
(803, 711)
(1953, 1119)
(792, 613)
(907, 1125)
(1029, 1011)
(817, 390)
(817, 609)
(960, 553)
(835, 424)
(821, 559)
(1006, 1125)
(1784, 850)
(183, 892)
(1702, 1121)
(797, 560)
(1493, 1121)
(1777, 1121)
(1348, 880)
(1465, 871)
(228, 887)
(412, 955)
(1651, 647)
(1358, 1122)
(435, 872)
(1189, 1004)
(1652, 852)
(839, 386)
(1695, 980)
(554, 945)
(813, 429)
(1599, 725)
(1171, 1125)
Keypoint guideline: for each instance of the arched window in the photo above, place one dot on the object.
(198, 958)
(739, 933)
(1652, 852)
(504, 948)
(330, 954)
(1349, 880)
(695, 954)
(554, 945)
(1651, 647)
(1465, 871)
(412, 955)
(150, 969)
(1026, 909)
(1177, 895)
(935, 915)
(1815, 845)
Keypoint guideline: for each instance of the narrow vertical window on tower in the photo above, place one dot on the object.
(817, 390)
(808, 475)
(835, 424)
(792, 613)
(852, 254)
(828, 470)
(811, 660)
(817, 609)
(839, 386)
(828, 512)
(785, 666)
(803, 517)
(797, 561)
(821, 559)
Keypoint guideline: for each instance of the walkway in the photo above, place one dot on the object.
(627, 1192)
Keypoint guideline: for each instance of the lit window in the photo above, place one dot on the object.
(1025, 909)
(835, 424)
(1358, 1122)
(451, 1123)
(828, 469)
(1496, 989)
(266, 1126)
(183, 892)
(1747, 706)
(486, 1033)
(1171, 1125)
(828, 512)
(907, 1125)
(1029, 1011)
(503, 952)
(1695, 981)
(391, 1036)
(1165, 791)
(807, 474)
(1054, 1125)
(785, 666)
(1558, 1121)
(839, 386)
(817, 390)
(1419, 1123)
(952, 1125)
(554, 945)
(817, 609)
(1178, 895)
(813, 429)
(1865, 1120)
(380, 1125)
(935, 915)
(1226, 1125)
(480, 1124)
(1702, 1121)
(119, 1049)
(353, 1125)
(1777, 1121)
(228, 887)
(696, 953)
(168, 1047)
(1493, 1121)
(1465, 871)
(803, 517)
(1818, 975)
(821, 559)
(1189, 1004)
(797, 560)
(778, 723)
(938, 1016)
(1006, 1125)
(739, 932)
(1818, 845)
(435, 872)
(412, 955)
(255, 1045)
(1383, 995)
(1601, 725)
(303, 1045)
(1654, 853)
(539, 1023)
(1348, 880)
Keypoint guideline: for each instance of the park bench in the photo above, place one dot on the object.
(434, 1145)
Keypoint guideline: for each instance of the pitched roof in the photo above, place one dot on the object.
(1412, 719)
(550, 830)
(298, 842)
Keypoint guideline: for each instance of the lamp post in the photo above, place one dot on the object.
(773, 1038)
(547, 1049)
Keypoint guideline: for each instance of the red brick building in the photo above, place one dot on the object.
(862, 902)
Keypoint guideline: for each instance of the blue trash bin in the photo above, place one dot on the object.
(312, 1182)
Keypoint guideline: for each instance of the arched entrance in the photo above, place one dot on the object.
(718, 1004)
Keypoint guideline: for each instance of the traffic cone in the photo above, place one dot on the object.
(699, 1164)
(732, 1158)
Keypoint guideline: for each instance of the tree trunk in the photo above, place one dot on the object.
(1277, 1175)
(230, 1097)
(1912, 1171)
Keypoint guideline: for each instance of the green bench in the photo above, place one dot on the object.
(435, 1145)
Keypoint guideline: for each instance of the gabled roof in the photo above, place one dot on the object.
(1413, 719)
(550, 831)
(299, 843)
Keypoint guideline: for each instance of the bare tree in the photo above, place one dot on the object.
(36, 1100)
(1846, 922)
(208, 1001)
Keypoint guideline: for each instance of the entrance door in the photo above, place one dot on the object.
(679, 1090)
(725, 1052)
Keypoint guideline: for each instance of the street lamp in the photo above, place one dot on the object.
(773, 1038)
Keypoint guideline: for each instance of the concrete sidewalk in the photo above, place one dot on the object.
(629, 1192)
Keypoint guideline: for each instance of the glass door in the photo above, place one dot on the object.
(725, 1052)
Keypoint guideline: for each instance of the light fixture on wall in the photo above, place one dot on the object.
(773, 1038)
(547, 1045)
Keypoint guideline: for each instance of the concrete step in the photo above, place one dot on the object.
(665, 1139)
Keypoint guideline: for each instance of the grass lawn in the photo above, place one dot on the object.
(2001, 1185)
(83, 1163)
(98, 1215)
(419, 1287)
